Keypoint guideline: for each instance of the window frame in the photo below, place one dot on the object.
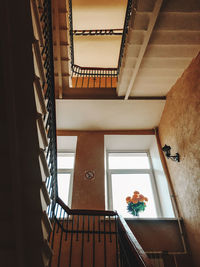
(68, 171)
(149, 171)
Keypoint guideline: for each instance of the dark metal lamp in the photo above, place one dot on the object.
(167, 150)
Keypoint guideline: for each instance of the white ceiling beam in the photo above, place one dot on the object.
(143, 48)
(57, 47)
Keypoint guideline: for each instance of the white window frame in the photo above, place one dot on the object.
(67, 171)
(132, 171)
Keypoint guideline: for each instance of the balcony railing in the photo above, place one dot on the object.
(93, 77)
(98, 77)
(49, 93)
(93, 238)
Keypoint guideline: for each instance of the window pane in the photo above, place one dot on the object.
(124, 185)
(128, 161)
(63, 186)
(65, 162)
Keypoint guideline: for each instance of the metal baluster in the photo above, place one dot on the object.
(116, 238)
(99, 224)
(110, 229)
(53, 233)
(159, 260)
(154, 258)
(93, 265)
(67, 223)
(88, 82)
(111, 78)
(93, 78)
(61, 235)
(100, 79)
(48, 210)
(83, 78)
(76, 80)
(82, 245)
(71, 242)
(104, 241)
(149, 256)
(105, 79)
(97, 77)
(77, 228)
(59, 219)
(88, 239)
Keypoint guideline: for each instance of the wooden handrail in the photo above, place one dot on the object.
(85, 212)
(132, 244)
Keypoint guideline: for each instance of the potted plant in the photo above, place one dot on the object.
(136, 203)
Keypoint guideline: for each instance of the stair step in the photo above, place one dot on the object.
(38, 63)
(46, 226)
(36, 22)
(43, 166)
(46, 253)
(39, 96)
(44, 201)
(42, 135)
(45, 193)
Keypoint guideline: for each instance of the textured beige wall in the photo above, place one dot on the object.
(180, 128)
(89, 194)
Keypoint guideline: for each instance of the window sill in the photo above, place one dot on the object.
(152, 219)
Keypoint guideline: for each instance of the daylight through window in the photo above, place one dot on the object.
(129, 172)
(65, 163)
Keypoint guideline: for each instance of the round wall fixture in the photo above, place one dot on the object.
(89, 175)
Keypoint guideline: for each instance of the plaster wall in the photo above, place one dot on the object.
(161, 182)
(89, 194)
(179, 128)
(152, 234)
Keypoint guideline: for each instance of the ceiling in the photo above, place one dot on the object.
(163, 38)
(97, 51)
(108, 114)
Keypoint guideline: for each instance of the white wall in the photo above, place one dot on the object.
(161, 181)
(66, 143)
(128, 142)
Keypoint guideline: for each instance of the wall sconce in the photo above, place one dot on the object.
(167, 150)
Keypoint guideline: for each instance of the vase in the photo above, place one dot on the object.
(135, 213)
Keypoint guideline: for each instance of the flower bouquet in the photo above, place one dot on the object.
(136, 203)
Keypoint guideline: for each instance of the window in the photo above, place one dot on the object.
(65, 162)
(128, 172)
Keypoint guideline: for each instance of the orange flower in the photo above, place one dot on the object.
(136, 192)
(134, 201)
(128, 199)
(134, 197)
(141, 198)
(146, 199)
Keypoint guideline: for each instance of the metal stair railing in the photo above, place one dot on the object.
(49, 93)
(93, 238)
(85, 77)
